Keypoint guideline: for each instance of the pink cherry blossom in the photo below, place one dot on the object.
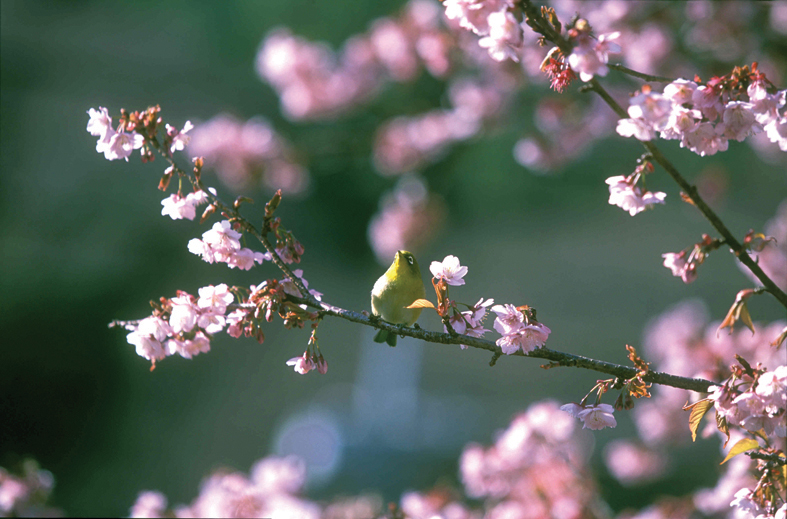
(121, 145)
(631, 198)
(149, 504)
(505, 36)
(449, 270)
(679, 266)
(302, 364)
(639, 128)
(509, 318)
(408, 217)
(632, 463)
(776, 131)
(178, 207)
(681, 121)
(597, 417)
(470, 322)
(215, 298)
(589, 58)
(708, 100)
(188, 348)
(184, 314)
(527, 338)
(147, 347)
(179, 140)
(739, 120)
(653, 108)
(706, 140)
(680, 91)
(100, 122)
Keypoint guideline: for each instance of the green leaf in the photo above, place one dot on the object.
(746, 444)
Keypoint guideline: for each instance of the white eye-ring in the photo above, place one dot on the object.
(410, 260)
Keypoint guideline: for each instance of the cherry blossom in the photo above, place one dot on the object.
(589, 58)
(505, 36)
(302, 364)
(100, 123)
(470, 322)
(221, 245)
(179, 138)
(178, 207)
(630, 197)
(597, 417)
(449, 270)
(509, 318)
(121, 145)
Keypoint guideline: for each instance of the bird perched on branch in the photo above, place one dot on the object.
(394, 291)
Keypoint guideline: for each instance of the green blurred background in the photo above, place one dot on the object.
(83, 243)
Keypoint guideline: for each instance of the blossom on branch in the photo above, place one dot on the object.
(177, 206)
(593, 417)
(470, 322)
(518, 330)
(505, 36)
(590, 57)
(704, 118)
(624, 193)
(449, 270)
(221, 244)
(178, 139)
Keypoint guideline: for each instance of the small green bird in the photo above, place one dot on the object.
(396, 289)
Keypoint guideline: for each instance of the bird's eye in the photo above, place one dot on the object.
(410, 260)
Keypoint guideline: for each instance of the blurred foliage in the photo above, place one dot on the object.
(83, 243)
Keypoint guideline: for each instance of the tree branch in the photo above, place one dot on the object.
(538, 23)
(640, 75)
(235, 214)
(562, 359)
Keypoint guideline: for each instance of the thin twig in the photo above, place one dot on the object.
(235, 214)
(646, 77)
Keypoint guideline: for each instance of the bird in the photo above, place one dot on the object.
(396, 289)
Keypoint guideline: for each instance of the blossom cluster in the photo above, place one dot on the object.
(625, 192)
(519, 329)
(177, 206)
(221, 244)
(408, 217)
(684, 264)
(272, 489)
(186, 324)
(182, 324)
(113, 143)
(26, 494)
(705, 117)
(754, 403)
(408, 143)
(538, 465)
(518, 326)
(535, 468)
(120, 142)
(683, 341)
(314, 82)
(245, 153)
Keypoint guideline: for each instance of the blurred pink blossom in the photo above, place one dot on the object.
(314, 82)
(243, 153)
(632, 463)
(408, 217)
(772, 259)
